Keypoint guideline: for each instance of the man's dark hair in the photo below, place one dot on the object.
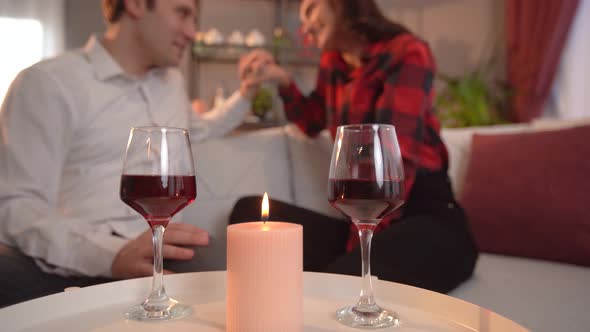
(364, 18)
(114, 9)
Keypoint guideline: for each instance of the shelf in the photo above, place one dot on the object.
(231, 54)
(248, 126)
(297, 59)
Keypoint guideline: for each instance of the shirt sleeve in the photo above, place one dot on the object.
(221, 120)
(37, 123)
(309, 112)
(406, 102)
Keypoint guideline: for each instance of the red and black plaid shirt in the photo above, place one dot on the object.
(394, 85)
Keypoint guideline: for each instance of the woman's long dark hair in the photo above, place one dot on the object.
(365, 19)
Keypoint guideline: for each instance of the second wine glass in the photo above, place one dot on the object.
(158, 181)
(365, 184)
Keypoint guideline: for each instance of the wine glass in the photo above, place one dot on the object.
(366, 184)
(158, 180)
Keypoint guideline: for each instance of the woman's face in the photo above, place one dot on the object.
(318, 23)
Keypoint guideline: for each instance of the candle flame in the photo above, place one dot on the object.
(265, 208)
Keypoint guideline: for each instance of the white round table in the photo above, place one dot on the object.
(101, 307)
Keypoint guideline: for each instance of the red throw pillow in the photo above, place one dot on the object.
(528, 194)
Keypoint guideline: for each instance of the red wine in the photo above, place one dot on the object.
(158, 198)
(364, 200)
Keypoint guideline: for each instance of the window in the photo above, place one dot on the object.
(23, 46)
(30, 30)
(570, 96)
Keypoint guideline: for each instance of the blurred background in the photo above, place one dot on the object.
(465, 35)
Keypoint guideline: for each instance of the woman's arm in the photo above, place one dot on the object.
(406, 102)
(307, 112)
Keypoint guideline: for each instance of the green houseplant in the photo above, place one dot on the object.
(473, 99)
(262, 103)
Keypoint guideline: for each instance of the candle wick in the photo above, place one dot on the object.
(264, 219)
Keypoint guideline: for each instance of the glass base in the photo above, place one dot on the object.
(367, 317)
(167, 310)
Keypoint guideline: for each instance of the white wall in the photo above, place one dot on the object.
(83, 18)
(570, 97)
(461, 33)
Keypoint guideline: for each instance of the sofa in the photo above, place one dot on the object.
(542, 295)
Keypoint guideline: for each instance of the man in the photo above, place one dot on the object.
(64, 126)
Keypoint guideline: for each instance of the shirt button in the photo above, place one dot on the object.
(451, 206)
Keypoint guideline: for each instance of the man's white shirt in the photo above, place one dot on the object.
(64, 127)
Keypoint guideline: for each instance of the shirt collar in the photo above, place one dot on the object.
(104, 65)
(368, 54)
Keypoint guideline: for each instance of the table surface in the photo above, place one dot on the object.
(101, 307)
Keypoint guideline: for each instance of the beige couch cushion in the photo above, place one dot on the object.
(543, 296)
(310, 162)
(230, 168)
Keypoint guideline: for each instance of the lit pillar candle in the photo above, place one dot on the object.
(264, 276)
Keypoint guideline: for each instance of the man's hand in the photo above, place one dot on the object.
(249, 89)
(136, 258)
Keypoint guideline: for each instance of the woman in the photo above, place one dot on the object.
(374, 71)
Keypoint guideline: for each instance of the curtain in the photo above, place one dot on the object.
(536, 31)
(50, 13)
(571, 90)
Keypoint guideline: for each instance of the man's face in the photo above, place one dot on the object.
(318, 22)
(166, 30)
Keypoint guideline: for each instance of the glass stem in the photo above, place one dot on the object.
(366, 236)
(158, 293)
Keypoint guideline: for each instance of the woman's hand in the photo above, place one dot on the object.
(259, 66)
